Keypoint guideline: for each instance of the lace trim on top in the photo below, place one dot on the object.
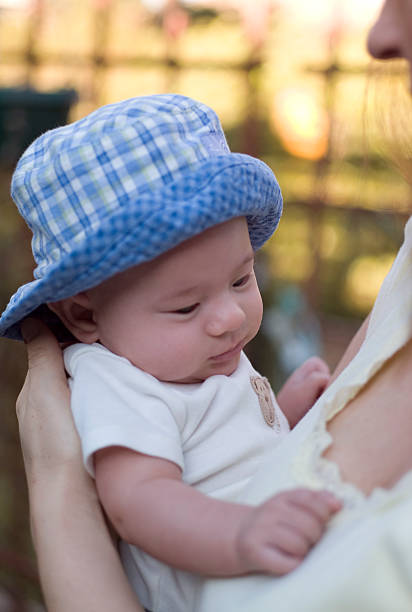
(317, 472)
(311, 469)
(389, 329)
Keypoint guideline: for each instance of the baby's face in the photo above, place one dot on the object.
(188, 314)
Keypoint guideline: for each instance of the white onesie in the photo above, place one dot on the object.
(218, 432)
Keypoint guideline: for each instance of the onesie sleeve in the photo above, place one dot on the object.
(117, 404)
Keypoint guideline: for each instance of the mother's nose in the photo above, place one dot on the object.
(385, 36)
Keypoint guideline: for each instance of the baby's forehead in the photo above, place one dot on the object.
(192, 255)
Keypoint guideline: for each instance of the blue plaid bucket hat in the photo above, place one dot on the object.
(124, 185)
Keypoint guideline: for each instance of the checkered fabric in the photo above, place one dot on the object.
(123, 185)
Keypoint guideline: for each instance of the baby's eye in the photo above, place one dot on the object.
(186, 310)
(241, 281)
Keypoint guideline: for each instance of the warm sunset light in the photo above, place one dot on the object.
(351, 11)
(301, 123)
(364, 278)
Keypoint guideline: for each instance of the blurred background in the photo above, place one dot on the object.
(292, 84)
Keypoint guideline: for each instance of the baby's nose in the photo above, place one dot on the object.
(225, 317)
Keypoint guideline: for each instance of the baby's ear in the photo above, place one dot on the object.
(77, 314)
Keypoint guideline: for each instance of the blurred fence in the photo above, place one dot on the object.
(218, 54)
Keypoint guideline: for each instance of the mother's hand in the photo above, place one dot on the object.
(47, 432)
(79, 565)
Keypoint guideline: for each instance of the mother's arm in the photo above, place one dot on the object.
(78, 562)
(351, 350)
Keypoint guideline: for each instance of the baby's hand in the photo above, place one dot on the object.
(302, 389)
(277, 535)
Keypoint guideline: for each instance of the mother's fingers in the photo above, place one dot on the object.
(43, 350)
(47, 432)
(46, 376)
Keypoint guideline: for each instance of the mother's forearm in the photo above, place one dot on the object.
(351, 350)
(78, 562)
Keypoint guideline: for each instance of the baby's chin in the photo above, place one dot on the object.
(213, 370)
(170, 378)
(190, 379)
(198, 379)
(210, 368)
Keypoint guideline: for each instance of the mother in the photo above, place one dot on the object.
(356, 441)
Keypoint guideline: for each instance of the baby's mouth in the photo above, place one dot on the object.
(229, 353)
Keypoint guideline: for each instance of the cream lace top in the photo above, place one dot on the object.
(364, 560)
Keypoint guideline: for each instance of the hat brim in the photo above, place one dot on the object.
(212, 192)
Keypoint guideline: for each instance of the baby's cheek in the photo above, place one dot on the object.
(256, 312)
(171, 357)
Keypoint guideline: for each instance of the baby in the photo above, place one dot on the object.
(144, 228)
